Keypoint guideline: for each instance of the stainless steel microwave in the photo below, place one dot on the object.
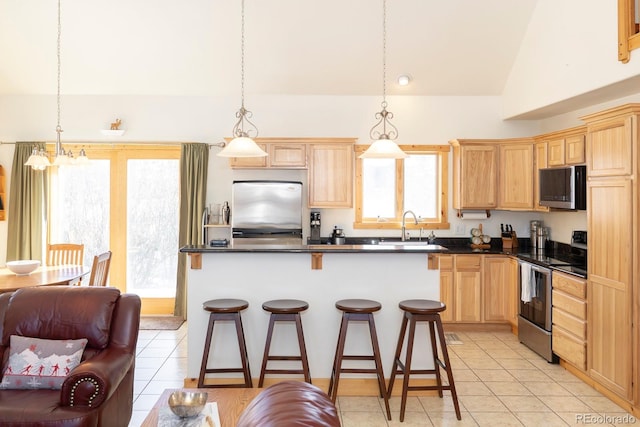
(564, 187)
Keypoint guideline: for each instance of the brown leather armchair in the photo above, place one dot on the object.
(99, 391)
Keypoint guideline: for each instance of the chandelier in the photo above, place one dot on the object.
(384, 132)
(38, 159)
(242, 144)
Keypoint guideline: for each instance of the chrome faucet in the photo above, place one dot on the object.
(404, 216)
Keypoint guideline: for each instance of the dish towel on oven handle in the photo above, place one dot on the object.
(527, 286)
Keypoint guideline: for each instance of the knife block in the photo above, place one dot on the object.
(510, 242)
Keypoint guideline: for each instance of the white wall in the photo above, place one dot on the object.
(570, 49)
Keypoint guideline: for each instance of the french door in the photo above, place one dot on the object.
(127, 201)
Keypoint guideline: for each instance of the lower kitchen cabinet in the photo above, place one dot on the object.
(478, 288)
(500, 289)
(569, 318)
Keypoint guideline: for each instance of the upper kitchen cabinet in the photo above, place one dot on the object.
(516, 175)
(475, 174)
(609, 145)
(284, 153)
(541, 149)
(330, 173)
(565, 147)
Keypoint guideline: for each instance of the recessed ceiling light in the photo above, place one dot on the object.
(404, 80)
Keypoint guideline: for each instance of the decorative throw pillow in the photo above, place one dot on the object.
(40, 364)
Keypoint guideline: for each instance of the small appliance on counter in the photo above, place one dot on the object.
(314, 224)
(338, 237)
(533, 227)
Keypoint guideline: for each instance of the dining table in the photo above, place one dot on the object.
(42, 276)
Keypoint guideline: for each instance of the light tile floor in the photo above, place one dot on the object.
(499, 381)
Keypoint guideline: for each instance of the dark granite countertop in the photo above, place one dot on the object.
(452, 246)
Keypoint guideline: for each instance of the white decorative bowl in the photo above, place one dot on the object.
(23, 267)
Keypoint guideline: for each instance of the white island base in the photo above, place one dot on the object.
(258, 277)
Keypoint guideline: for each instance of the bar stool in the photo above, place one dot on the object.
(358, 310)
(285, 310)
(422, 310)
(225, 309)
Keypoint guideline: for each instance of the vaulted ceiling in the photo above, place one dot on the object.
(297, 47)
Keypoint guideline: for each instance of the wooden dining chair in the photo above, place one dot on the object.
(65, 253)
(100, 269)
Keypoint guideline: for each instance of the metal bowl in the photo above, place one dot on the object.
(187, 403)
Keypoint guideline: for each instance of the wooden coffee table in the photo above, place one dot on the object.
(231, 403)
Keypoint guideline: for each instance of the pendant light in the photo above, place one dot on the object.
(38, 159)
(384, 132)
(242, 145)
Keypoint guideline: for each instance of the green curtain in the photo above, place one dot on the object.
(194, 162)
(26, 206)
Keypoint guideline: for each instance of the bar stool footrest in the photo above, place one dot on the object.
(428, 387)
(355, 357)
(238, 385)
(223, 370)
(298, 358)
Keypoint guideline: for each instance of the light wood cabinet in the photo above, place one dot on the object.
(475, 174)
(541, 150)
(330, 175)
(499, 284)
(569, 316)
(516, 176)
(568, 149)
(447, 294)
(614, 239)
(575, 150)
(610, 227)
(290, 156)
(555, 152)
(609, 147)
(468, 287)
(478, 288)
(565, 147)
(249, 162)
(281, 155)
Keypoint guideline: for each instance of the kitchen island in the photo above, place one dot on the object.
(318, 274)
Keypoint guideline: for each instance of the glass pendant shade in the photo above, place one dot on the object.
(38, 160)
(82, 158)
(242, 146)
(384, 149)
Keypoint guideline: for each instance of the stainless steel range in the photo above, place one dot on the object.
(534, 310)
(535, 285)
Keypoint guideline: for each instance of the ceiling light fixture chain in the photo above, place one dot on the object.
(59, 149)
(243, 115)
(242, 144)
(384, 132)
(39, 159)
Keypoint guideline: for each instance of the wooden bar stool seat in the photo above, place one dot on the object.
(225, 309)
(285, 310)
(358, 310)
(422, 310)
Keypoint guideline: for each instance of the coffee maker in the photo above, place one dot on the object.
(314, 223)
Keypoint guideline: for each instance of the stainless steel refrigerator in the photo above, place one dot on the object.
(266, 212)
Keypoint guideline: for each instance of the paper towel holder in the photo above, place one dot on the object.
(474, 215)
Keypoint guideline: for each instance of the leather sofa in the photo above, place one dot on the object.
(99, 391)
(289, 404)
